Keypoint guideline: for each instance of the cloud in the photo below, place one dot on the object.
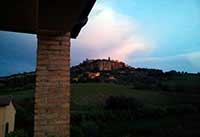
(194, 58)
(17, 52)
(189, 62)
(109, 34)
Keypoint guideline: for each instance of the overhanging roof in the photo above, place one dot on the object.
(5, 100)
(45, 16)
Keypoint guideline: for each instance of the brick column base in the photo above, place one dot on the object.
(52, 93)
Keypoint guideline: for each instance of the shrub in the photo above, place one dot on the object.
(182, 109)
(76, 132)
(90, 129)
(17, 133)
(123, 103)
(152, 111)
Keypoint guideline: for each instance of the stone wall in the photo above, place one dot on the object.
(102, 65)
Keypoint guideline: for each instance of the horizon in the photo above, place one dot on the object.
(146, 34)
(21, 73)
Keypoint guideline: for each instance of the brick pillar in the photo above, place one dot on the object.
(52, 94)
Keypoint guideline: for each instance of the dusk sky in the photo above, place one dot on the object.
(142, 33)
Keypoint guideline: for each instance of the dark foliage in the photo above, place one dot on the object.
(18, 81)
(122, 103)
(18, 133)
(25, 115)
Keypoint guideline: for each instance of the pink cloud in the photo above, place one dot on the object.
(111, 34)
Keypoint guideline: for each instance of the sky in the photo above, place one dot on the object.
(142, 33)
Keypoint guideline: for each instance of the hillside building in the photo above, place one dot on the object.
(102, 64)
(7, 116)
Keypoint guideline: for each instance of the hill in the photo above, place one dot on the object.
(113, 71)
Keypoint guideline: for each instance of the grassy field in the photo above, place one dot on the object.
(92, 94)
(90, 98)
(93, 120)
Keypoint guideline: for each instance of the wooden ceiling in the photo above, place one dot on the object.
(45, 16)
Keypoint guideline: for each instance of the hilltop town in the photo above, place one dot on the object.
(93, 69)
(99, 65)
